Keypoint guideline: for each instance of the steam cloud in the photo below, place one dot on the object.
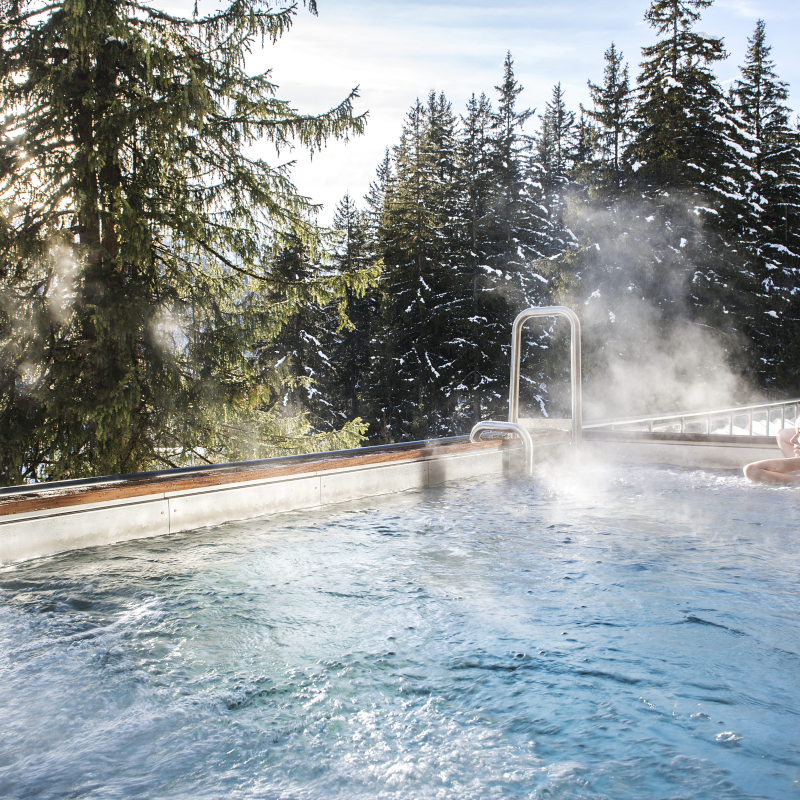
(645, 349)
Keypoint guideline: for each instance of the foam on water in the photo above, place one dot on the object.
(583, 633)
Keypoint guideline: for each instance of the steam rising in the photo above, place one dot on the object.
(61, 294)
(649, 368)
(645, 348)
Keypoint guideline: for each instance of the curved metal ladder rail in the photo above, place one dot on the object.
(511, 427)
(513, 392)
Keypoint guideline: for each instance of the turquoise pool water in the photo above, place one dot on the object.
(628, 633)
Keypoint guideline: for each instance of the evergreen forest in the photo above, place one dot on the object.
(666, 214)
(168, 300)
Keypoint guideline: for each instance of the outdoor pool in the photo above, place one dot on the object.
(631, 632)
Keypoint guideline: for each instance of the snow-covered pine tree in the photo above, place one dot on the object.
(598, 274)
(376, 395)
(348, 387)
(759, 97)
(563, 163)
(604, 273)
(291, 413)
(678, 96)
(584, 153)
(690, 166)
(324, 349)
(515, 209)
(412, 373)
(301, 349)
(555, 158)
(518, 230)
(482, 304)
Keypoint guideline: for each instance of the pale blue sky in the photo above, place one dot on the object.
(398, 51)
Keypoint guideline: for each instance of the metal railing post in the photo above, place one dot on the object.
(575, 363)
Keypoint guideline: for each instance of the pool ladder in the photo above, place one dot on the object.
(513, 426)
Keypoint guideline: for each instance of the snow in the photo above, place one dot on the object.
(433, 369)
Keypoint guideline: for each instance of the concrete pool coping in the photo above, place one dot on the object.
(45, 519)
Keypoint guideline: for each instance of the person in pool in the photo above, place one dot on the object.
(779, 470)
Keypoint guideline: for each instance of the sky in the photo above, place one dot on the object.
(398, 50)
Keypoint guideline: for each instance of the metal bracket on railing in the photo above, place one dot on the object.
(575, 363)
(507, 427)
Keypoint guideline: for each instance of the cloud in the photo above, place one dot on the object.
(398, 51)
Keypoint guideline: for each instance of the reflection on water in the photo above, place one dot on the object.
(597, 634)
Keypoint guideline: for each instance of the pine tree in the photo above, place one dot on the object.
(483, 304)
(515, 205)
(414, 250)
(774, 190)
(520, 236)
(676, 138)
(612, 113)
(375, 217)
(323, 351)
(137, 235)
(686, 155)
(585, 147)
(301, 349)
(555, 158)
(665, 240)
(375, 200)
(759, 96)
(348, 387)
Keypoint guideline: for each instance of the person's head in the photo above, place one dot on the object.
(795, 440)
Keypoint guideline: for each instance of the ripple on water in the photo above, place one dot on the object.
(591, 633)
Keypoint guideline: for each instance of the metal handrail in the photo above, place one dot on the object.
(507, 427)
(575, 363)
(682, 417)
(513, 426)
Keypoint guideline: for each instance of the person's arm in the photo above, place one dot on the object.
(774, 470)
